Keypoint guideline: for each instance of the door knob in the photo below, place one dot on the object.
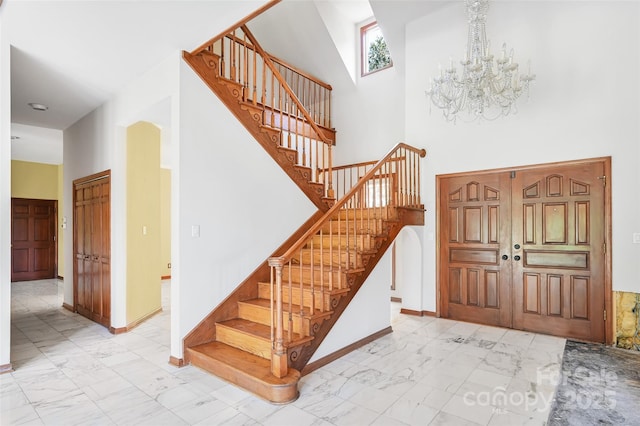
(516, 257)
(505, 257)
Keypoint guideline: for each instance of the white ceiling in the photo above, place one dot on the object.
(74, 55)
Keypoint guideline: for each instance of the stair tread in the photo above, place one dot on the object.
(245, 363)
(260, 331)
(316, 287)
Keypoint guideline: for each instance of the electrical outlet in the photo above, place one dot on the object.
(636, 238)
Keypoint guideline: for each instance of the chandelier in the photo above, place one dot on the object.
(483, 89)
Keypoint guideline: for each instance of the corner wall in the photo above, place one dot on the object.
(236, 205)
(5, 196)
(144, 229)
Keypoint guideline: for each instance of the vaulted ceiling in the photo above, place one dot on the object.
(73, 56)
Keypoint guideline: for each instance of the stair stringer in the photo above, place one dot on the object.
(205, 65)
(405, 217)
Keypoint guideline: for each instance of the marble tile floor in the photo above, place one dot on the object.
(69, 370)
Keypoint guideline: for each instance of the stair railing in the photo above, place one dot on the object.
(292, 101)
(331, 250)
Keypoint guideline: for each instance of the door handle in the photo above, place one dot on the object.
(505, 257)
(516, 258)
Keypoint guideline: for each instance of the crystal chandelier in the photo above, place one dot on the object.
(483, 90)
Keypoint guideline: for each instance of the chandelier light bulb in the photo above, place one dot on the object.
(484, 89)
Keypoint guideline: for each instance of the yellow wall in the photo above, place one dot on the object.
(41, 182)
(165, 219)
(143, 221)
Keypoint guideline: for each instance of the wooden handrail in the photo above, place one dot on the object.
(267, 60)
(338, 244)
(273, 58)
(241, 22)
(287, 256)
(302, 73)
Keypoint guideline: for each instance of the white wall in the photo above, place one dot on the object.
(409, 270)
(243, 202)
(368, 312)
(97, 142)
(368, 117)
(5, 194)
(584, 104)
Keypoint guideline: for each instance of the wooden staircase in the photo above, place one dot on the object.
(262, 336)
(255, 87)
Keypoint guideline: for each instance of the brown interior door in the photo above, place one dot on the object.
(525, 249)
(33, 239)
(92, 247)
(474, 232)
(558, 235)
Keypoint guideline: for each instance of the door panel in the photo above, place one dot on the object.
(476, 283)
(33, 239)
(92, 287)
(549, 223)
(563, 251)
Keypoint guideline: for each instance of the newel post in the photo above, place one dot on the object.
(279, 365)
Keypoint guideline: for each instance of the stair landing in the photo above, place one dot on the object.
(248, 371)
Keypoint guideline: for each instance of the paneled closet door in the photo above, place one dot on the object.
(92, 227)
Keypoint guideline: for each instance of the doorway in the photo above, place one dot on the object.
(526, 248)
(33, 239)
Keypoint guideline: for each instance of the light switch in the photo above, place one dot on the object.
(636, 238)
(195, 231)
(144, 230)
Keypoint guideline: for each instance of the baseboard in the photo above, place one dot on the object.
(134, 324)
(342, 352)
(178, 362)
(68, 307)
(6, 368)
(417, 313)
(396, 299)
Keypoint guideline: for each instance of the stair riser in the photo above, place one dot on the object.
(373, 227)
(347, 260)
(262, 315)
(361, 242)
(337, 278)
(246, 342)
(368, 214)
(263, 292)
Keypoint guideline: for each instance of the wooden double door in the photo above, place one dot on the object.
(526, 248)
(92, 247)
(33, 239)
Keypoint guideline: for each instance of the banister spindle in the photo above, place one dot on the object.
(233, 55)
(255, 78)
